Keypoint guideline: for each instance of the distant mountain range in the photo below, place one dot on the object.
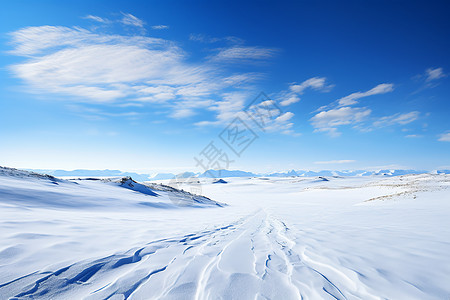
(93, 173)
(231, 173)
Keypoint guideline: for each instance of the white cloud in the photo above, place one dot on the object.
(315, 83)
(158, 27)
(331, 131)
(36, 40)
(202, 38)
(284, 117)
(397, 119)
(430, 78)
(227, 108)
(131, 71)
(379, 89)
(233, 105)
(282, 124)
(156, 94)
(291, 96)
(126, 70)
(197, 37)
(413, 136)
(444, 137)
(434, 74)
(99, 114)
(102, 64)
(180, 113)
(100, 71)
(340, 112)
(243, 54)
(129, 19)
(100, 67)
(291, 100)
(131, 104)
(96, 19)
(328, 121)
(329, 162)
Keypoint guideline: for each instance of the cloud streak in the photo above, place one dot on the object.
(315, 83)
(96, 19)
(352, 98)
(430, 78)
(444, 137)
(434, 74)
(292, 95)
(331, 162)
(240, 54)
(202, 38)
(399, 118)
(159, 27)
(129, 19)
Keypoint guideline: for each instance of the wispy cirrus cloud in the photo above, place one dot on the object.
(62, 59)
(129, 19)
(130, 70)
(429, 79)
(96, 19)
(283, 124)
(290, 99)
(413, 136)
(78, 62)
(352, 98)
(126, 19)
(315, 83)
(159, 27)
(398, 118)
(292, 95)
(434, 74)
(444, 137)
(240, 54)
(332, 162)
(94, 113)
(38, 41)
(202, 38)
(227, 108)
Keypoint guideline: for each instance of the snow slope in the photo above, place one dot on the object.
(279, 238)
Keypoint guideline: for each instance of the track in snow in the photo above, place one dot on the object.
(257, 255)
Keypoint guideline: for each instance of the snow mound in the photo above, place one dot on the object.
(220, 181)
(181, 197)
(129, 183)
(4, 171)
(29, 189)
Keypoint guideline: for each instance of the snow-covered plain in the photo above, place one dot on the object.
(258, 238)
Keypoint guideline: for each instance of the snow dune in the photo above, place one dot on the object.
(278, 238)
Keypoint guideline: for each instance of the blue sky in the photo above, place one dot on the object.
(147, 85)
